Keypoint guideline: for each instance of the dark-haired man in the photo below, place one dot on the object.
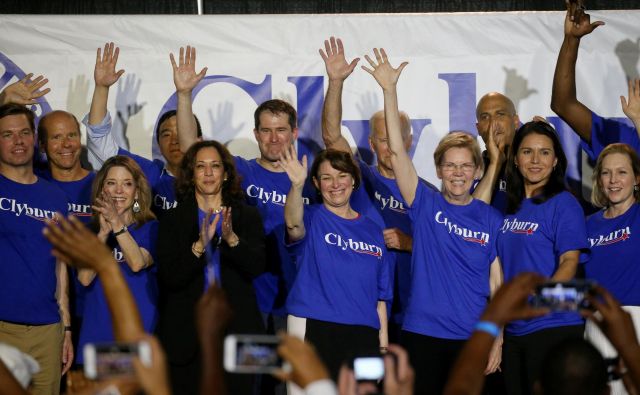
(34, 312)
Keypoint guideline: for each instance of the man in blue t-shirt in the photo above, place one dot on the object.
(34, 312)
(594, 131)
(102, 143)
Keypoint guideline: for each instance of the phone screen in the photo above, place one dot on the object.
(255, 354)
(567, 296)
(113, 359)
(368, 368)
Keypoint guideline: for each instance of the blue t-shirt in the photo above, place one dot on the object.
(614, 254)
(78, 193)
(608, 131)
(453, 248)
(27, 268)
(79, 196)
(160, 181)
(343, 269)
(382, 195)
(96, 324)
(532, 240)
(267, 191)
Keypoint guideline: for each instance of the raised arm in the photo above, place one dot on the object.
(563, 98)
(62, 296)
(486, 186)
(137, 257)
(294, 206)
(104, 75)
(73, 243)
(185, 80)
(24, 91)
(631, 108)
(338, 69)
(100, 142)
(387, 78)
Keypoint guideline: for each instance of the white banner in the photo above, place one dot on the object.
(453, 60)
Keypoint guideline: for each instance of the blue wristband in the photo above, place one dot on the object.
(488, 327)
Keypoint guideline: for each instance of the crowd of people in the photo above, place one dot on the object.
(183, 251)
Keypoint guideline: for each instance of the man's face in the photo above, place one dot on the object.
(168, 142)
(16, 141)
(62, 146)
(379, 143)
(497, 108)
(274, 134)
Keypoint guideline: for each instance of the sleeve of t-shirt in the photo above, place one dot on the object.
(385, 276)
(569, 226)
(241, 165)
(608, 131)
(100, 143)
(424, 196)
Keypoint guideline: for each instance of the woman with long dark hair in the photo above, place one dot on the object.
(211, 236)
(543, 232)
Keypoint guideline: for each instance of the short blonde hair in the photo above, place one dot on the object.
(598, 198)
(459, 139)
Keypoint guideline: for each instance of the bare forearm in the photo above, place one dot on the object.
(384, 324)
(294, 214)
(62, 293)
(332, 118)
(98, 104)
(467, 376)
(567, 267)
(564, 101)
(484, 189)
(187, 128)
(212, 383)
(405, 172)
(136, 257)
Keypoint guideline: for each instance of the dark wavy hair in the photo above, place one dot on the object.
(144, 190)
(17, 109)
(515, 180)
(231, 190)
(339, 160)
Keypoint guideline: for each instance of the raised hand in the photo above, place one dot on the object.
(631, 108)
(579, 23)
(382, 71)
(107, 209)
(399, 374)
(495, 148)
(104, 73)
(75, 244)
(24, 91)
(296, 170)
(334, 60)
(575, 8)
(184, 73)
(208, 228)
(228, 235)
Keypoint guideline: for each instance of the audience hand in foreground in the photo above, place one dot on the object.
(212, 314)
(511, 301)
(75, 244)
(153, 378)
(306, 366)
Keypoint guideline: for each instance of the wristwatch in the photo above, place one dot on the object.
(121, 231)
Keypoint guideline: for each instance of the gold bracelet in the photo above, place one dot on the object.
(235, 243)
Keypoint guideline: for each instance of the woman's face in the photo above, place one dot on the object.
(335, 185)
(617, 179)
(457, 171)
(121, 187)
(536, 159)
(208, 172)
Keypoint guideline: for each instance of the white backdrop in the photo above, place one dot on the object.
(453, 60)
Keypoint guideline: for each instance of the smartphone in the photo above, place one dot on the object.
(369, 368)
(252, 354)
(564, 296)
(104, 360)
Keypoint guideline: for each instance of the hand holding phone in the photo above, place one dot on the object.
(252, 354)
(564, 296)
(105, 360)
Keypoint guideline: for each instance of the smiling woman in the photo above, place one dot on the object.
(122, 215)
(210, 237)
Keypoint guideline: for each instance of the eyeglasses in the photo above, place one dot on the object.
(449, 167)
